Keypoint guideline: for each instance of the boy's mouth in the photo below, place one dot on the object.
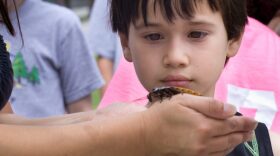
(176, 81)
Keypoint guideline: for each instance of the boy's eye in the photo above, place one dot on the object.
(197, 34)
(154, 37)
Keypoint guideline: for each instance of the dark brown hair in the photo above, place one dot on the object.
(125, 12)
(5, 16)
(263, 10)
(6, 71)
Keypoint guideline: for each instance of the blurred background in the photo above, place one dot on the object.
(82, 8)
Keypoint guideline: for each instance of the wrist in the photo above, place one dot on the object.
(120, 136)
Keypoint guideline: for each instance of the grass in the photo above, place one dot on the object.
(95, 98)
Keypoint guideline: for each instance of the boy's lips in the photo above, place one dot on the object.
(178, 81)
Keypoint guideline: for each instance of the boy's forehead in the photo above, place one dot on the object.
(155, 11)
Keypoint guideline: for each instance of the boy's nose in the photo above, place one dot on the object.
(176, 56)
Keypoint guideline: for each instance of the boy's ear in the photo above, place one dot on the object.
(234, 46)
(125, 47)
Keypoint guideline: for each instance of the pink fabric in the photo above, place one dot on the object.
(124, 86)
(250, 79)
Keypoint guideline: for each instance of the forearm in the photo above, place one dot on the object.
(44, 141)
(13, 119)
(100, 137)
(114, 110)
(121, 136)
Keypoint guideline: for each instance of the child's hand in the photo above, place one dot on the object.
(194, 126)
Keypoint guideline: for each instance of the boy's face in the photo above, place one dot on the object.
(186, 53)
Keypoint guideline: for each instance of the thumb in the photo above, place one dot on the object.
(208, 106)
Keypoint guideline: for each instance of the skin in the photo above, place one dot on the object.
(106, 67)
(79, 106)
(274, 24)
(114, 110)
(11, 5)
(7, 108)
(181, 53)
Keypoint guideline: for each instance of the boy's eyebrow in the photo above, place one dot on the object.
(201, 22)
(142, 25)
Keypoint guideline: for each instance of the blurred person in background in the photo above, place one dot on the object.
(54, 72)
(103, 42)
(267, 12)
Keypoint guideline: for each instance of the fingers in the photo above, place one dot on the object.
(207, 106)
(233, 124)
(225, 144)
(199, 125)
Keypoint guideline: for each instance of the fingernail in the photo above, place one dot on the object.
(229, 108)
(256, 125)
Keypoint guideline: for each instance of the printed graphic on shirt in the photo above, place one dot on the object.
(254, 103)
(22, 74)
(8, 46)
